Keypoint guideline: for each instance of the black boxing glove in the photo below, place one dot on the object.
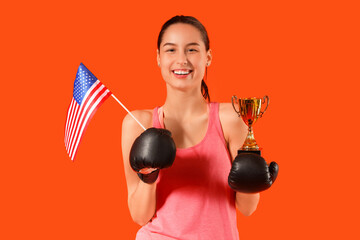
(251, 174)
(154, 148)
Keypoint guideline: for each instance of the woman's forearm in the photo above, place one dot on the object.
(142, 203)
(247, 202)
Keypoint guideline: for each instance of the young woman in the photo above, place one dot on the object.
(192, 198)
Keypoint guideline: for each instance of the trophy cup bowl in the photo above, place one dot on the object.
(249, 109)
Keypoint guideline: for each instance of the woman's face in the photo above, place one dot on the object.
(183, 57)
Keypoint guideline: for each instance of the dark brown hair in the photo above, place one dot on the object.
(196, 23)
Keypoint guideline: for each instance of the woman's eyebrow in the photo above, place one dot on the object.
(169, 44)
(173, 44)
(193, 43)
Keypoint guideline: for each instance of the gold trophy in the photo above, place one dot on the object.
(250, 111)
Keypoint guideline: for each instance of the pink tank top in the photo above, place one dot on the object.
(194, 200)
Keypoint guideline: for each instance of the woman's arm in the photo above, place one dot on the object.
(141, 196)
(247, 202)
(235, 131)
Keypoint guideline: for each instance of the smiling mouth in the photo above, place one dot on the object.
(182, 72)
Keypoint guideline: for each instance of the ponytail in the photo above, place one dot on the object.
(204, 88)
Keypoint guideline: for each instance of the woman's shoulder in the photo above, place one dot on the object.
(230, 121)
(144, 116)
(227, 112)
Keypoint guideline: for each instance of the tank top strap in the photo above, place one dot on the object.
(215, 121)
(155, 118)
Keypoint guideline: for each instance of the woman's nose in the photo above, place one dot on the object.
(182, 59)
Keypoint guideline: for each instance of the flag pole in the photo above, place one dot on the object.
(128, 111)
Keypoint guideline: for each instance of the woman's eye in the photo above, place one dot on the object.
(170, 50)
(192, 50)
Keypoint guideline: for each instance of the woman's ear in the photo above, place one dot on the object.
(158, 57)
(209, 57)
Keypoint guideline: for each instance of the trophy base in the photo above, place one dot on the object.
(249, 151)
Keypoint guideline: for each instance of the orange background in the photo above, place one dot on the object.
(303, 54)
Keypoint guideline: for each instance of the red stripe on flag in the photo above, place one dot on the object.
(68, 119)
(73, 114)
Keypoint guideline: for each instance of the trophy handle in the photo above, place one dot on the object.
(232, 101)
(266, 97)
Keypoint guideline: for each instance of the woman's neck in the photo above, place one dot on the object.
(182, 105)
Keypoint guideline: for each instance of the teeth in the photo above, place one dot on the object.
(181, 72)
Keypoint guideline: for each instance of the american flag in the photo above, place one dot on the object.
(89, 93)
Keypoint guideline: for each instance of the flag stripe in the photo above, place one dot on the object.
(68, 119)
(74, 114)
(90, 114)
